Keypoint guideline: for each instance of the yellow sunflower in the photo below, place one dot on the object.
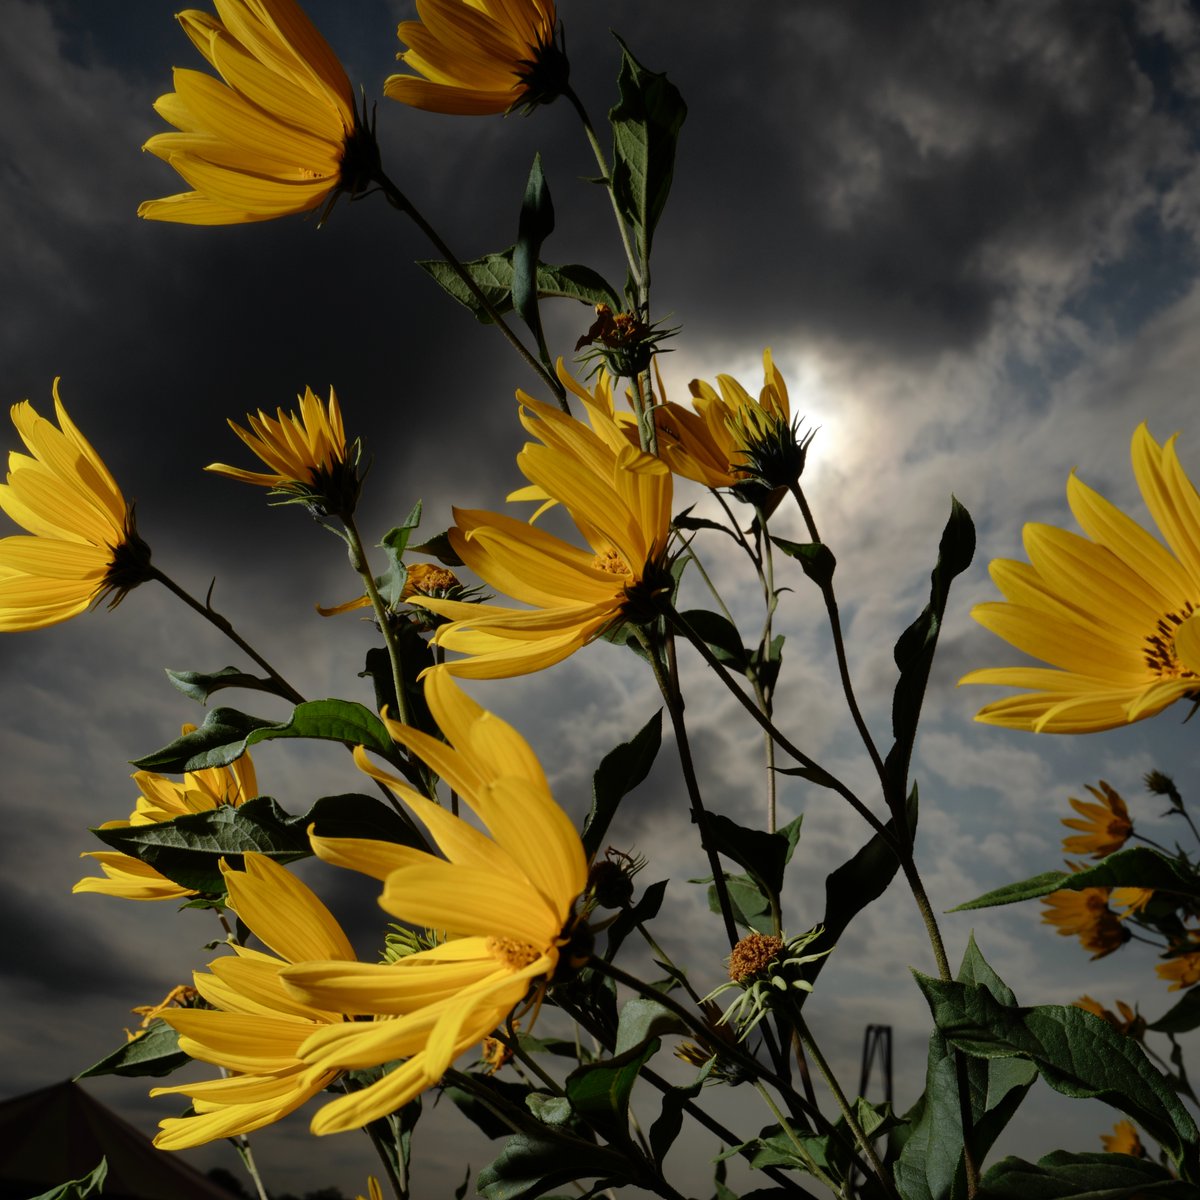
(255, 1025)
(84, 545)
(506, 904)
(1183, 970)
(1084, 913)
(479, 57)
(1113, 613)
(162, 799)
(280, 135)
(620, 501)
(729, 439)
(306, 452)
(1105, 826)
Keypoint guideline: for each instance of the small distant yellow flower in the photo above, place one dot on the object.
(620, 501)
(162, 799)
(505, 898)
(84, 545)
(1183, 970)
(374, 1192)
(480, 57)
(1085, 914)
(1128, 1022)
(728, 439)
(1105, 826)
(1130, 900)
(1123, 1140)
(306, 452)
(255, 1026)
(280, 135)
(1113, 613)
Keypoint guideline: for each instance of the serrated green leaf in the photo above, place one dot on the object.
(1063, 1176)
(645, 122)
(199, 685)
(390, 584)
(1139, 867)
(915, 648)
(1076, 1053)
(227, 734)
(494, 275)
(619, 772)
(155, 1051)
(188, 849)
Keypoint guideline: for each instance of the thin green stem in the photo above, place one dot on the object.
(358, 560)
(664, 957)
(839, 649)
(214, 618)
(810, 1163)
(831, 781)
(848, 1114)
(647, 426)
(241, 1144)
(762, 694)
(668, 686)
(398, 200)
(635, 270)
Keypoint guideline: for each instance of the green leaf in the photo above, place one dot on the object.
(1063, 1176)
(155, 1052)
(188, 849)
(534, 227)
(628, 919)
(599, 1092)
(915, 648)
(199, 685)
(391, 583)
(763, 855)
(227, 734)
(1076, 1053)
(506, 1097)
(815, 558)
(930, 1165)
(530, 1165)
(494, 275)
(858, 882)
(1183, 1018)
(550, 1110)
(1139, 867)
(645, 122)
(620, 771)
(750, 904)
(78, 1189)
(666, 1127)
(642, 1019)
(721, 635)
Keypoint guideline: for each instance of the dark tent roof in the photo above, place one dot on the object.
(60, 1132)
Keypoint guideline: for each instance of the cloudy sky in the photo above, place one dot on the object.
(967, 230)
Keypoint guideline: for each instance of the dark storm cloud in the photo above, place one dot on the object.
(902, 175)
